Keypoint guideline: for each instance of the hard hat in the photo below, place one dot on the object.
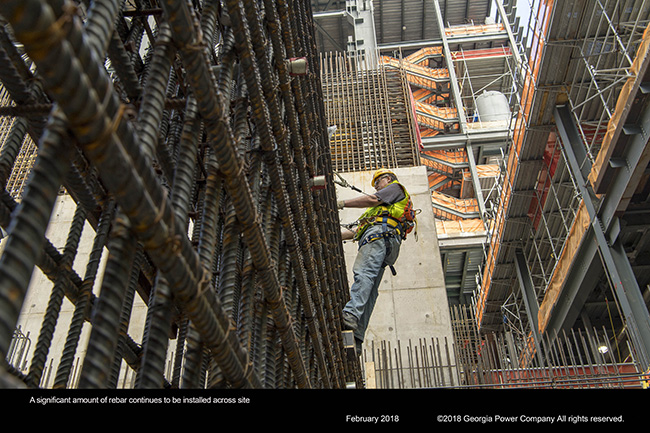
(381, 172)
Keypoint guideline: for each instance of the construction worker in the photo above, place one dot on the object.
(380, 232)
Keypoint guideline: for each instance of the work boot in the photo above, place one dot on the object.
(349, 321)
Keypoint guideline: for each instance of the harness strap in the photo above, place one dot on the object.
(373, 237)
(389, 223)
(369, 238)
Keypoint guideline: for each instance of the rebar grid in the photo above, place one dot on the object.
(371, 110)
(190, 150)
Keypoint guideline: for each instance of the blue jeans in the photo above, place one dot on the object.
(368, 270)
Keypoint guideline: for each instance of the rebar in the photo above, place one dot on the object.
(188, 150)
(56, 299)
(82, 303)
(371, 111)
(581, 358)
(428, 364)
(104, 336)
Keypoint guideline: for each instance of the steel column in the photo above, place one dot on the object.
(615, 263)
(528, 292)
(475, 180)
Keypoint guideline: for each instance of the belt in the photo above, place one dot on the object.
(396, 232)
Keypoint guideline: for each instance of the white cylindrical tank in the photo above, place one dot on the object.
(492, 106)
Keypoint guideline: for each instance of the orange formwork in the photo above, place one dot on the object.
(451, 208)
(424, 54)
(439, 181)
(421, 76)
(459, 226)
(474, 29)
(444, 161)
(439, 118)
(481, 53)
(432, 84)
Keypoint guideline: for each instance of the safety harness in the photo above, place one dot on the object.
(398, 219)
(390, 227)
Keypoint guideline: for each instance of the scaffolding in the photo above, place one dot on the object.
(184, 149)
(555, 255)
(462, 134)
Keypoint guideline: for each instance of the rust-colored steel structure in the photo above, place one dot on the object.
(190, 142)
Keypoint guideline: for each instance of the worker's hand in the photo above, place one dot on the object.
(347, 233)
(340, 204)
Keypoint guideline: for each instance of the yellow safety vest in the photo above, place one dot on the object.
(390, 215)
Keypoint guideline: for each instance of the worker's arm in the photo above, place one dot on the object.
(361, 201)
(346, 233)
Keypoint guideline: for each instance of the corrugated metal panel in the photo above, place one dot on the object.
(399, 20)
(389, 22)
(461, 267)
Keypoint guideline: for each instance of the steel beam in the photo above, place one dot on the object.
(330, 14)
(528, 290)
(624, 180)
(511, 38)
(478, 192)
(458, 102)
(486, 139)
(361, 16)
(585, 273)
(614, 260)
(456, 40)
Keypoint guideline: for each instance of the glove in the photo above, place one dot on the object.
(340, 204)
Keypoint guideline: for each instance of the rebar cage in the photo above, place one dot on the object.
(189, 144)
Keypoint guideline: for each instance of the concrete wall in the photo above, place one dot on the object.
(413, 304)
(38, 294)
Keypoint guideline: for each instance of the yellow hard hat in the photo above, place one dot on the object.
(381, 172)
